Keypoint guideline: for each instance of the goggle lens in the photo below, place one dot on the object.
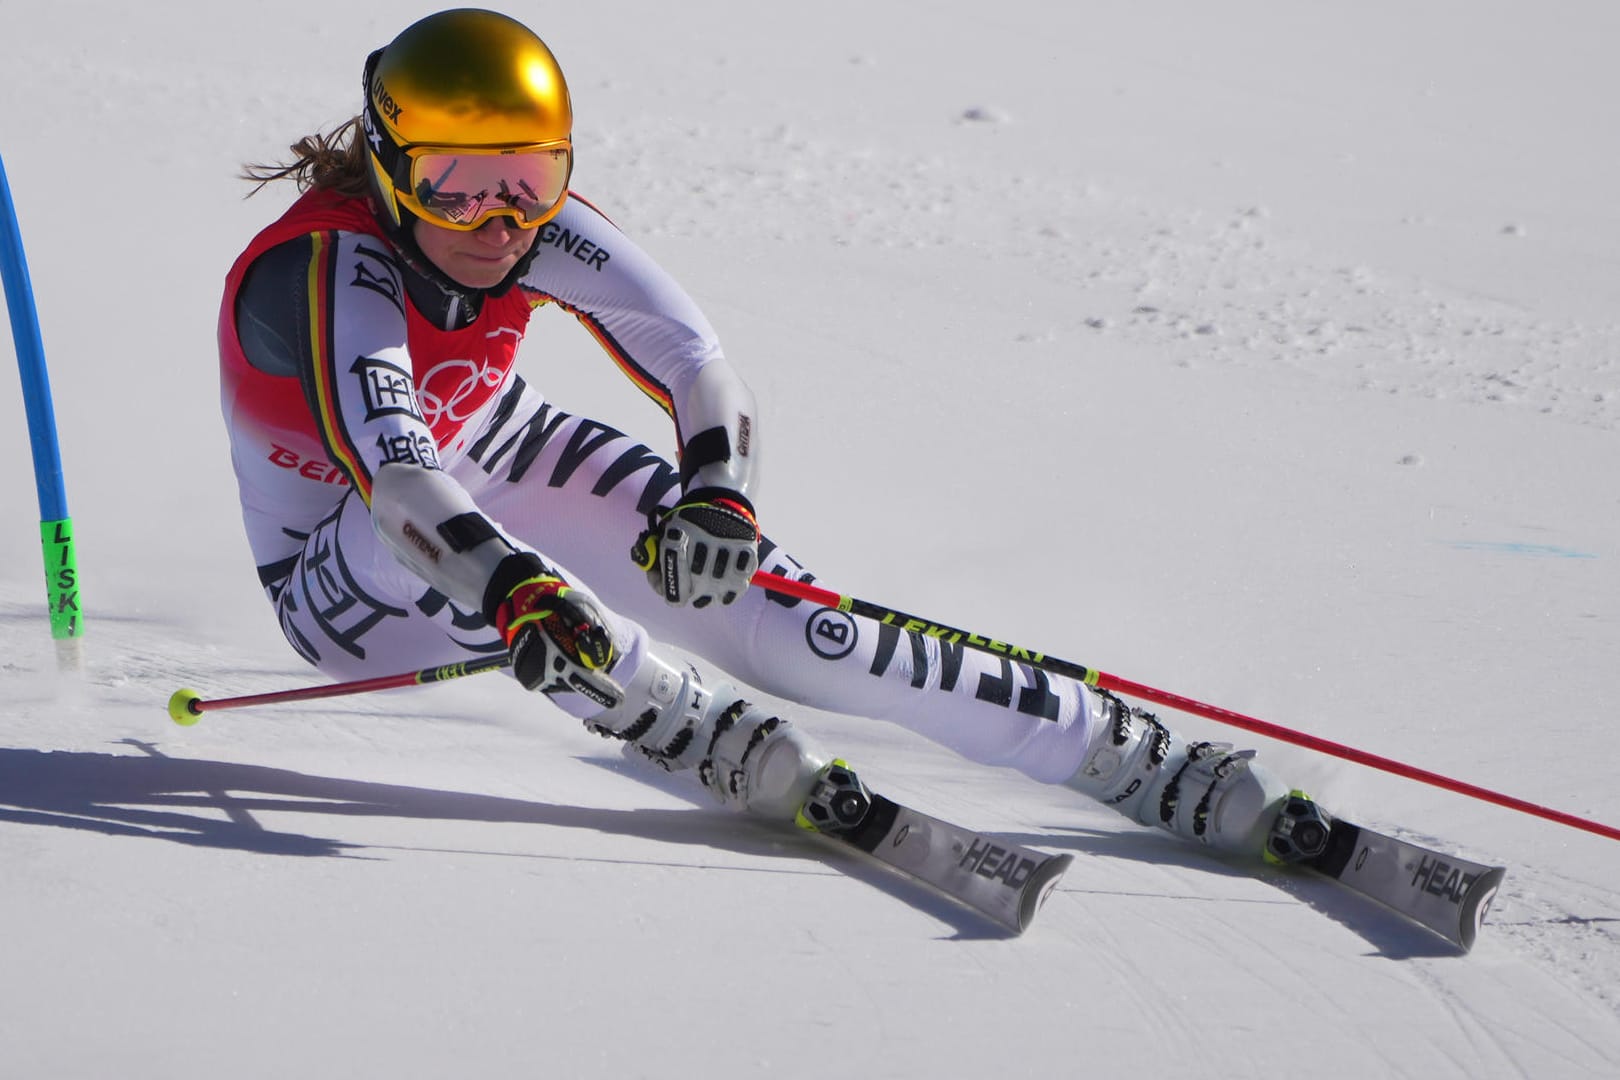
(463, 189)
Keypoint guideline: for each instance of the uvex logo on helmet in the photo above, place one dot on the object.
(384, 101)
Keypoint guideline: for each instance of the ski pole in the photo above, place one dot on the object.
(1102, 680)
(187, 706)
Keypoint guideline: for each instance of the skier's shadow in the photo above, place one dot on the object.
(1392, 936)
(148, 794)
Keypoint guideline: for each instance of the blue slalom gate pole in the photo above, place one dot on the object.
(55, 525)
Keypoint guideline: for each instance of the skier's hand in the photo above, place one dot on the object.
(558, 639)
(705, 549)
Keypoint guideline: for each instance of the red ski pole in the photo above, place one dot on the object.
(1102, 680)
(187, 706)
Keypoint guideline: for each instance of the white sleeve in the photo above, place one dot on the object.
(366, 406)
(657, 335)
(433, 526)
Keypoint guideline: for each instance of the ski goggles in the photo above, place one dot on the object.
(462, 188)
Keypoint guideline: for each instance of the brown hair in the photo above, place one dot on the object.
(336, 161)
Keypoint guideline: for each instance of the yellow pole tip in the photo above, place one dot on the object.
(183, 707)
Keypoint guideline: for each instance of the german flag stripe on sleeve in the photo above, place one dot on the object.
(328, 412)
(633, 371)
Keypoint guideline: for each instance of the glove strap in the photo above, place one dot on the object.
(511, 572)
(735, 501)
(533, 595)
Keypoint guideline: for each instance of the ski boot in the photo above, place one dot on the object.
(1300, 831)
(1205, 792)
(838, 802)
(747, 759)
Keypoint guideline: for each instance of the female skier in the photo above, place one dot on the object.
(412, 501)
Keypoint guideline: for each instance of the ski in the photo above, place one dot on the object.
(1006, 883)
(1444, 893)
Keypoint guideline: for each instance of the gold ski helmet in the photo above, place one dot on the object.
(467, 116)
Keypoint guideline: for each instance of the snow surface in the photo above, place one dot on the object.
(1263, 352)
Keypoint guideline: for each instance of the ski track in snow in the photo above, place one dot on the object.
(1147, 917)
(924, 286)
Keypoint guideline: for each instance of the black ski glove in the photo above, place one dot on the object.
(557, 636)
(704, 549)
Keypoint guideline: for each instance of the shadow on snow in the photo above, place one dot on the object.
(1393, 936)
(214, 804)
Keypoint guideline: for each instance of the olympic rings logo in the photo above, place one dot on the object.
(443, 399)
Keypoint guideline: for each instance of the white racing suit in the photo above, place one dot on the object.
(374, 382)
